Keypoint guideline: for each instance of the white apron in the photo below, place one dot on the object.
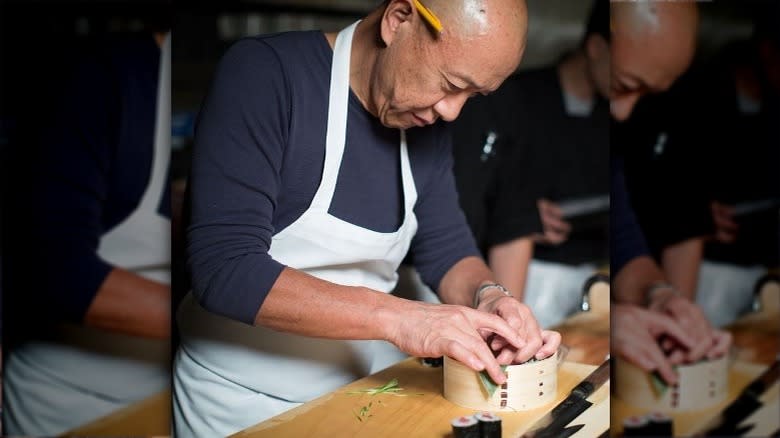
(725, 290)
(80, 373)
(553, 291)
(229, 375)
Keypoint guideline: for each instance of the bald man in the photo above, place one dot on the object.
(319, 162)
(653, 43)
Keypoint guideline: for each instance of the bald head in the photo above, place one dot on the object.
(472, 18)
(653, 18)
(416, 75)
(483, 26)
(653, 43)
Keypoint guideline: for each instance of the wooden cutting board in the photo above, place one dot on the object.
(685, 424)
(149, 417)
(427, 415)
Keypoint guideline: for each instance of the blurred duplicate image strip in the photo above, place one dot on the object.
(86, 229)
(695, 153)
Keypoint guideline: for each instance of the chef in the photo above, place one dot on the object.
(320, 161)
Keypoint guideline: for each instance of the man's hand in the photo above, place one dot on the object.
(433, 330)
(556, 229)
(707, 341)
(636, 334)
(726, 227)
(537, 343)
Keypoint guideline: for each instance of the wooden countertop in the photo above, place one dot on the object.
(429, 415)
(149, 417)
(423, 412)
(756, 340)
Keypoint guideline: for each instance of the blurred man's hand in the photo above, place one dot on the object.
(725, 227)
(555, 229)
(636, 337)
(707, 341)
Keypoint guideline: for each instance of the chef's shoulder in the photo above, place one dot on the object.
(291, 55)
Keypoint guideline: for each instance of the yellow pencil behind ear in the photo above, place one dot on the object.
(429, 16)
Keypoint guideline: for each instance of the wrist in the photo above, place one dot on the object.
(386, 317)
(489, 289)
(658, 294)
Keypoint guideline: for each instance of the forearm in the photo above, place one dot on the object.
(131, 304)
(462, 280)
(509, 263)
(681, 264)
(632, 282)
(306, 305)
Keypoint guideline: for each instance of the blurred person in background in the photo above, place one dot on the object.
(539, 139)
(739, 103)
(89, 238)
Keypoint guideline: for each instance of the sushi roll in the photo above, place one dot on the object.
(433, 362)
(660, 424)
(465, 427)
(489, 424)
(635, 426)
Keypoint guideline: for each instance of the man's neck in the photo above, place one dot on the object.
(362, 59)
(574, 77)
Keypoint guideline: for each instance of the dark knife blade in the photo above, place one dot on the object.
(571, 407)
(745, 404)
(558, 426)
(569, 431)
(731, 431)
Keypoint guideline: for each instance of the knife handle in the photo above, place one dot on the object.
(583, 389)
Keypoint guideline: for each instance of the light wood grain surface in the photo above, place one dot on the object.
(427, 415)
(587, 337)
(757, 336)
(757, 343)
(149, 417)
(586, 334)
(686, 423)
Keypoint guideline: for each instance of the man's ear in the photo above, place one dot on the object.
(396, 13)
(596, 47)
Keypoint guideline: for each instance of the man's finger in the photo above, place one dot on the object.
(722, 344)
(497, 325)
(660, 323)
(491, 364)
(640, 354)
(463, 355)
(533, 341)
(551, 340)
(506, 356)
(558, 225)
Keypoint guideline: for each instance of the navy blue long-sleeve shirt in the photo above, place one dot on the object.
(92, 162)
(257, 162)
